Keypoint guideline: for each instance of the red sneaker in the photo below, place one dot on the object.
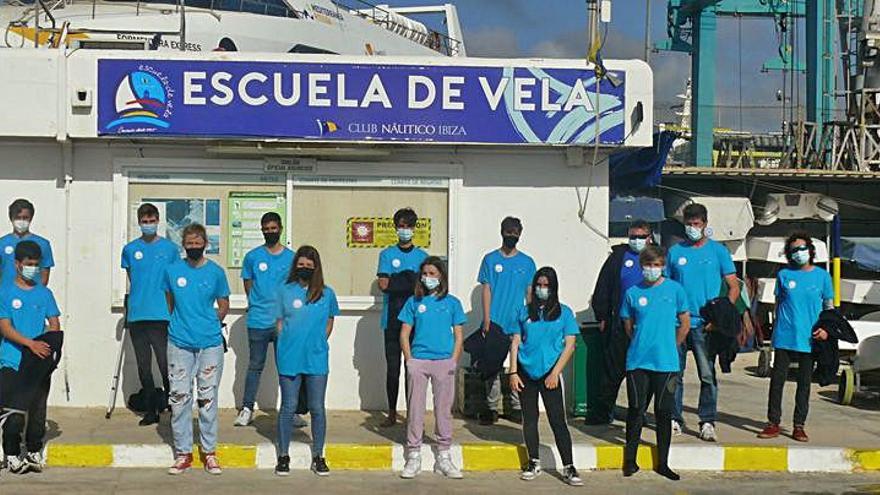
(770, 431)
(212, 464)
(799, 434)
(182, 464)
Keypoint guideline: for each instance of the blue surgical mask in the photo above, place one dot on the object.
(652, 273)
(637, 245)
(800, 257)
(30, 272)
(693, 233)
(149, 229)
(542, 293)
(405, 235)
(430, 283)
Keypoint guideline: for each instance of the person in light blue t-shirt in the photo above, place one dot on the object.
(27, 310)
(21, 214)
(195, 348)
(700, 265)
(145, 260)
(655, 317)
(263, 270)
(505, 276)
(803, 290)
(305, 309)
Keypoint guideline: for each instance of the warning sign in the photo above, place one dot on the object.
(380, 232)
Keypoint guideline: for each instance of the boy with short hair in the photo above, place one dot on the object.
(21, 214)
(26, 308)
(145, 260)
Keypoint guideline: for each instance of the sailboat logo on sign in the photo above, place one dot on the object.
(142, 103)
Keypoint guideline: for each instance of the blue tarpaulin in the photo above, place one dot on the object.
(642, 168)
(628, 208)
(863, 251)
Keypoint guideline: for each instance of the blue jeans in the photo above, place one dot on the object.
(708, 407)
(316, 388)
(258, 346)
(206, 366)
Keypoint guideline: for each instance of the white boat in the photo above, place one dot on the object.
(286, 26)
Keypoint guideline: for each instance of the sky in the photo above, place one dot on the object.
(557, 29)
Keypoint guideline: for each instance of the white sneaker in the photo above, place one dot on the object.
(245, 417)
(676, 428)
(707, 433)
(412, 467)
(446, 467)
(16, 464)
(35, 461)
(299, 422)
(531, 471)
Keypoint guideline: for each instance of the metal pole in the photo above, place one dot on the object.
(182, 4)
(648, 32)
(836, 247)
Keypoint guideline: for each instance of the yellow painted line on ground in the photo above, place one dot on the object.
(72, 455)
(611, 456)
(231, 456)
(755, 458)
(359, 457)
(866, 460)
(493, 457)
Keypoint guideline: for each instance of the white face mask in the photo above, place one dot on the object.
(652, 273)
(431, 283)
(637, 245)
(542, 293)
(21, 226)
(693, 233)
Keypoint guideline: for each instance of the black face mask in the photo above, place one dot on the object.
(304, 273)
(510, 241)
(271, 238)
(195, 254)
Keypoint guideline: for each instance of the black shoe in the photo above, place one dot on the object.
(283, 466)
(596, 420)
(150, 418)
(390, 420)
(488, 418)
(571, 477)
(515, 416)
(630, 469)
(319, 466)
(667, 473)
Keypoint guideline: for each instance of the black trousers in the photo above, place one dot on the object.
(640, 385)
(36, 416)
(148, 338)
(393, 355)
(554, 405)
(782, 358)
(615, 343)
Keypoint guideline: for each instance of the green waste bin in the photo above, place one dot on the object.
(587, 374)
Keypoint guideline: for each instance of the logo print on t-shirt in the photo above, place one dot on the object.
(138, 255)
(422, 308)
(643, 301)
(499, 268)
(16, 304)
(792, 284)
(297, 303)
(628, 263)
(395, 263)
(682, 261)
(9, 250)
(263, 266)
(181, 282)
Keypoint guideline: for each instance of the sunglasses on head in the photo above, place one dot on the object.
(800, 248)
(640, 236)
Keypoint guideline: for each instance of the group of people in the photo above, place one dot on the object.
(648, 304)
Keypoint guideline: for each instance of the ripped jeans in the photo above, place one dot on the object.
(206, 367)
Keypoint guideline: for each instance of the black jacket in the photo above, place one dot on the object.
(487, 351)
(726, 327)
(826, 353)
(606, 296)
(32, 371)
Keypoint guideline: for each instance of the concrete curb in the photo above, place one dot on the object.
(485, 457)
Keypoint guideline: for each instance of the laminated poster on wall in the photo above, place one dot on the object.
(380, 232)
(243, 229)
(177, 213)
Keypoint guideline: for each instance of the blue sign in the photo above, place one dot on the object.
(358, 102)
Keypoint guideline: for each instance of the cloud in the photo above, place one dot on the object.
(492, 42)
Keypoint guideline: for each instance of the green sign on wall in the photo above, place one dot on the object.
(244, 212)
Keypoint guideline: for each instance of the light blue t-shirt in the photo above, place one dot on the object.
(630, 272)
(799, 299)
(302, 347)
(7, 254)
(654, 311)
(146, 263)
(268, 272)
(509, 278)
(194, 321)
(395, 260)
(700, 270)
(542, 341)
(27, 311)
(433, 321)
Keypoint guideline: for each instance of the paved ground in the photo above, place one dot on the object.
(121, 481)
(742, 406)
